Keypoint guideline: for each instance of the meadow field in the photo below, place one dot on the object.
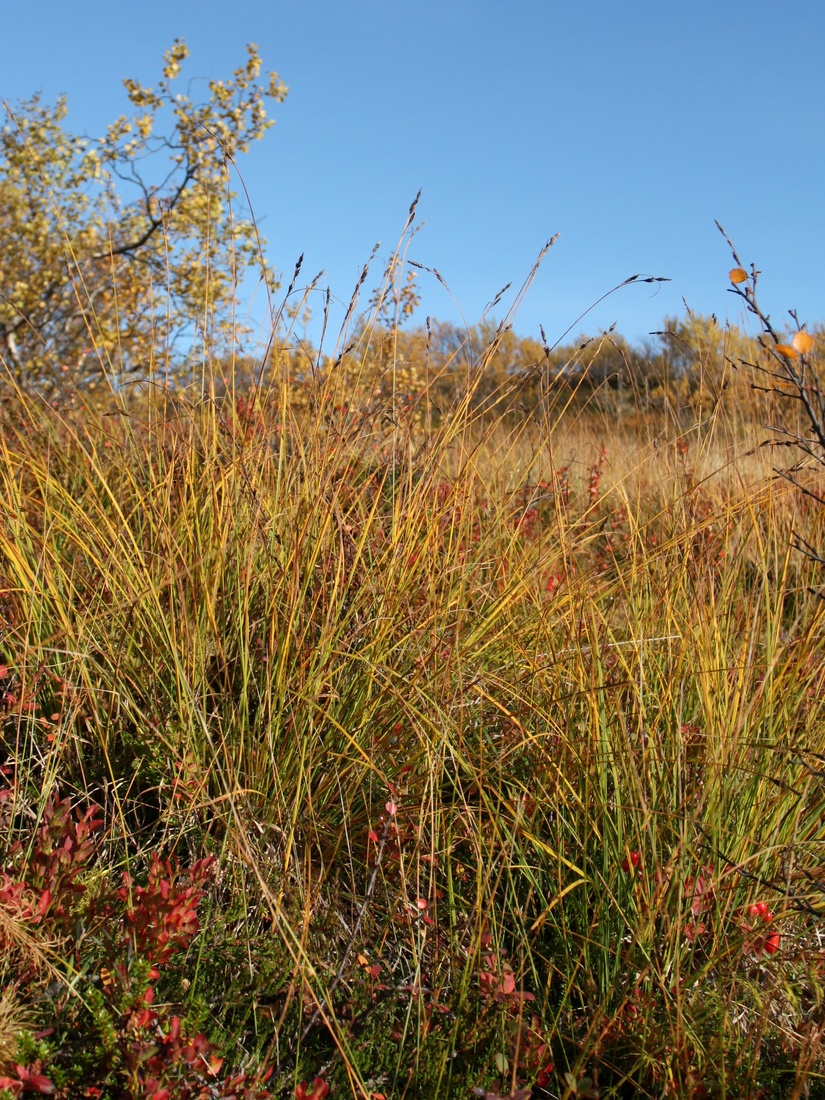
(384, 750)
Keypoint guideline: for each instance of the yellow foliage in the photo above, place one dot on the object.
(87, 268)
(803, 342)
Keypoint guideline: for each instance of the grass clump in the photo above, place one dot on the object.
(405, 752)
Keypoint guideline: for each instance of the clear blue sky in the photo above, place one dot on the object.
(625, 127)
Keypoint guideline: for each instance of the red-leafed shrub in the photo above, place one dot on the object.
(104, 1034)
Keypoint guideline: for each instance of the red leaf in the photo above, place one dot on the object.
(38, 1083)
(320, 1090)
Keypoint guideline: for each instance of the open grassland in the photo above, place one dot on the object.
(408, 759)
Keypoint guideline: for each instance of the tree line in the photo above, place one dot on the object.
(120, 254)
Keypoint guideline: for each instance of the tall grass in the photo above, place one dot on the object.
(497, 730)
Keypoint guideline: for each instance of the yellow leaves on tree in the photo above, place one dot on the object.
(127, 243)
(803, 342)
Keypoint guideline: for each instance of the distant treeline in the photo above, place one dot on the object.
(691, 367)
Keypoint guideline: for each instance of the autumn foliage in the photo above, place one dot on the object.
(438, 713)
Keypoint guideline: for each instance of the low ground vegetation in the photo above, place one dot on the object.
(434, 715)
(407, 751)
